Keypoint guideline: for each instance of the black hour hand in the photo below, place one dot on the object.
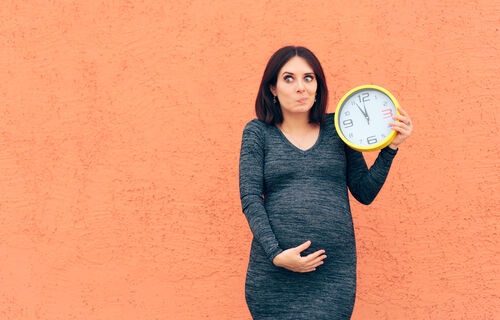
(366, 114)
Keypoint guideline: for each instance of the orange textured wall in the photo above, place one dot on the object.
(120, 129)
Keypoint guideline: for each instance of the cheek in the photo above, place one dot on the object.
(313, 87)
(283, 90)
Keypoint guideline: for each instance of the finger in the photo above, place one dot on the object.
(320, 259)
(308, 270)
(402, 132)
(304, 246)
(318, 264)
(313, 255)
(399, 125)
(402, 118)
(403, 111)
(316, 261)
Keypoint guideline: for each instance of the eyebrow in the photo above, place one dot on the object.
(307, 73)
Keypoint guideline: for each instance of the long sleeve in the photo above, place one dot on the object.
(365, 183)
(251, 175)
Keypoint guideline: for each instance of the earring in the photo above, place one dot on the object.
(274, 100)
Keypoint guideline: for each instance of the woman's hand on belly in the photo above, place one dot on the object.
(292, 260)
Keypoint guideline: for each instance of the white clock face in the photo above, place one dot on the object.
(365, 115)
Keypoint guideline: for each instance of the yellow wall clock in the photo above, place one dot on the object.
(363, 115)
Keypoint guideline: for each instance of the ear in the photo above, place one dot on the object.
(273, 89)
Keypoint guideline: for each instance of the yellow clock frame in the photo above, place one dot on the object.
(382, 144)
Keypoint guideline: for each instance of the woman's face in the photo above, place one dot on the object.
(296, 86)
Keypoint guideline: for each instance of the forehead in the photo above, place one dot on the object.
(296, 65)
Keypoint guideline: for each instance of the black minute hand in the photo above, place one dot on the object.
(363, 112)
(366, 113)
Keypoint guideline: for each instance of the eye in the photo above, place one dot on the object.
(288, 78)
(309, 78)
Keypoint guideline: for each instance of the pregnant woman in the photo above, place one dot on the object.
(294, 173)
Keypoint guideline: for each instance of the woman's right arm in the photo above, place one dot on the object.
(251, 175)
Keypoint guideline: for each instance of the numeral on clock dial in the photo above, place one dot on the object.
(387, 113)
(371, 139)
(365, 97)
(348, 123)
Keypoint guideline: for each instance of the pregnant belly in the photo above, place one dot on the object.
(330, 229)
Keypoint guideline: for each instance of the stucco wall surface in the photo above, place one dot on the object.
(120, 129)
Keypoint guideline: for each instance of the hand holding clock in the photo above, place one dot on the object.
(378, 129)
(403, 127)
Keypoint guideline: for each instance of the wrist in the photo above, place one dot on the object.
(276, 260)
(393, 147)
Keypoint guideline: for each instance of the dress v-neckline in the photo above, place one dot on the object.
(318, 140)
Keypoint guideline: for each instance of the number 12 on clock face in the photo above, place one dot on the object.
(363, 115)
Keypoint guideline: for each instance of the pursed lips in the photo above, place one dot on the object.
(302, 100)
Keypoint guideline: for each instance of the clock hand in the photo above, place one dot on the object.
(363, 112)
(360, 109)
(366, 113)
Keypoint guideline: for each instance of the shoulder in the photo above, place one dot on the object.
(330, 118)
(256, 125)
(330, 124)
(255, 130)
(330, 115)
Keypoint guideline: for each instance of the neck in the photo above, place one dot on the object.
(296, 122)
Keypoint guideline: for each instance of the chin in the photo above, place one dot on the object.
(305, 111)
(300, 109)
(304, 108)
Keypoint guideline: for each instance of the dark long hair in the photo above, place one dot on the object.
(270, 112)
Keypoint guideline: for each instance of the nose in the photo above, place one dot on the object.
(300, 86)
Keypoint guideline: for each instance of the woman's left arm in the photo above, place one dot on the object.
(365, 183)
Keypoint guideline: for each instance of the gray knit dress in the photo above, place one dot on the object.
(290, 196)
